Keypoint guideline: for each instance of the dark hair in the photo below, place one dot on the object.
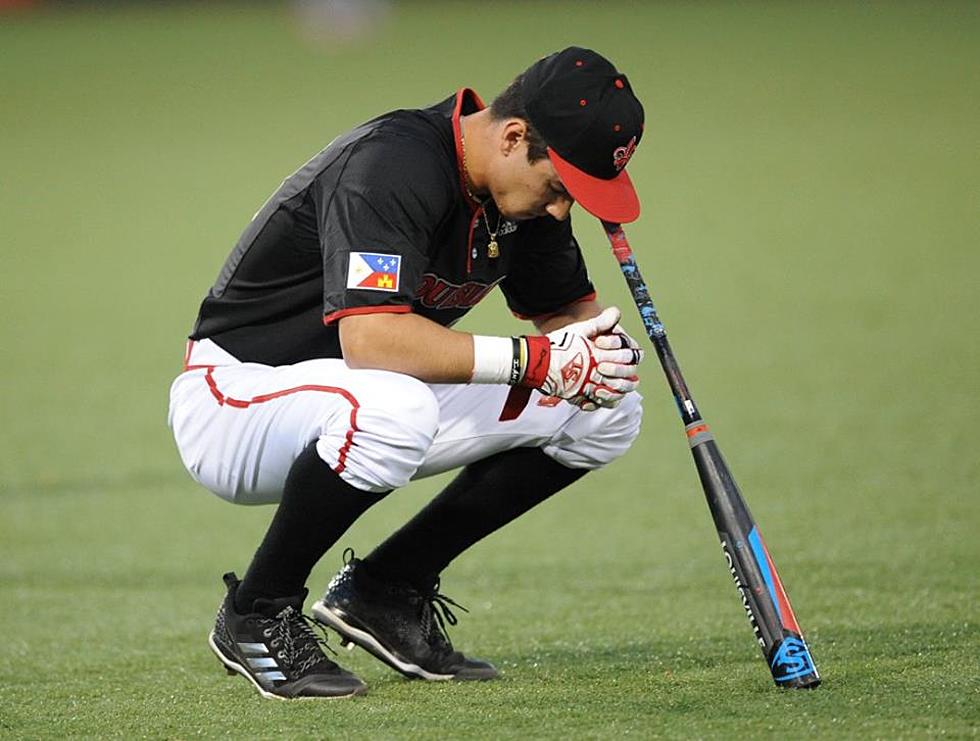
(510, 104)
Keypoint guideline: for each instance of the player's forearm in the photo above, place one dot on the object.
(575, 312)
(415, 346)
(409, 344)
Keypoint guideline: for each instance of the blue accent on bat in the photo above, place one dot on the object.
(792, 660)
(760, 557)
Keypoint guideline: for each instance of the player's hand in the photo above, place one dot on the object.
(605, 321)
(607, 333)
(617, 338)
(568, 362)
(608, 395)
(620, 378)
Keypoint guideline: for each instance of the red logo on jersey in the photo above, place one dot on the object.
(572, 371)
(621, 155)
(437, 293)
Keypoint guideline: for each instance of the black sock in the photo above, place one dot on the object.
(484, 497)
(317, 507)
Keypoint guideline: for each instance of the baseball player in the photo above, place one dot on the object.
(323, 371)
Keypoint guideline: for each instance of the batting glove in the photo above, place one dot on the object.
(589, 363)
(604, 322)
(620, 378)
(570, 362)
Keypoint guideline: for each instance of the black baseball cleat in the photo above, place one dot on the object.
(275, 648)
(398, 624)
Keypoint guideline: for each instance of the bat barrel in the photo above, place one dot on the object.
(764, 599)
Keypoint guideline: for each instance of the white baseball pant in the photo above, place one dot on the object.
(239, 426)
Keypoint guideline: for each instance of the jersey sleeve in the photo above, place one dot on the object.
(549, 271)
(377, 218)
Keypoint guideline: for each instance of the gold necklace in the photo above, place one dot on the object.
(493, 249)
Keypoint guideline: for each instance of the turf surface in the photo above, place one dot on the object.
(810, 186)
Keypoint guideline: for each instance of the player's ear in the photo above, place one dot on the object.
(512, 135)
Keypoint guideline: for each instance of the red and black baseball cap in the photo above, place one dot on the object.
(587, 114)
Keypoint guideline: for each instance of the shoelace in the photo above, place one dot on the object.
(436, 604)
(302, 647)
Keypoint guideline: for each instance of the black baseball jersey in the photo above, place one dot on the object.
(379, 221)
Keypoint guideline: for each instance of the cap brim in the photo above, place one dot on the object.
(610, 200)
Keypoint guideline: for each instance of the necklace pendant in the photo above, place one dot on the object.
(493, 249)
(474, 253)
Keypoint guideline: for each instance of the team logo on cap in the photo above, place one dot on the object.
(621, 155)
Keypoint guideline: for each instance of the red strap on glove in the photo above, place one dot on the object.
(538, 361)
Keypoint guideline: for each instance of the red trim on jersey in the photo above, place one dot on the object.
(461, 95)
(542, 317)
(262, 398)
(331, 318)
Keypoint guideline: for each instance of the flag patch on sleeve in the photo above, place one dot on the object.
(373, 272)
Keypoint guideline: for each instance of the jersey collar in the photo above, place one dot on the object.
(467, 101)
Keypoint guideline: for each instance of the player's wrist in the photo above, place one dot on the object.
(498, 359)
(515, 361)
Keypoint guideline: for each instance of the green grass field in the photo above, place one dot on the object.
(810, 233)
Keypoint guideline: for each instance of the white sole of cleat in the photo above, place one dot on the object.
(351, 635)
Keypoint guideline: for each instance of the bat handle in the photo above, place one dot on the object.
(686, 407)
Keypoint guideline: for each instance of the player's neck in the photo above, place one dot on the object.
(474, 129)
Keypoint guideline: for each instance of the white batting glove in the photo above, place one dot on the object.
(606, 321)
(570, 364)
(620, 378)
(607, 333)
(589, 363)
(617, 337)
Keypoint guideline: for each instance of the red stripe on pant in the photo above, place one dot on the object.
(262, 398)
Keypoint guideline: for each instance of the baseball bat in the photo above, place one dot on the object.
(763, 596)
